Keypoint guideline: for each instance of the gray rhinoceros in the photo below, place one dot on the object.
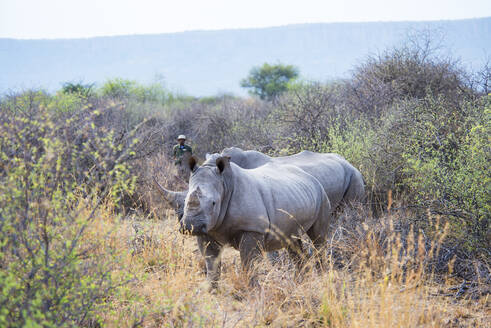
(342, 182)
(252, 210)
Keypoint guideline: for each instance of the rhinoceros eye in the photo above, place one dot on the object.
(213, 203)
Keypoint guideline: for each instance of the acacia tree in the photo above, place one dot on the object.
(269, 81)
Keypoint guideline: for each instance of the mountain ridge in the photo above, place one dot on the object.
(245, 28)
(206, 62)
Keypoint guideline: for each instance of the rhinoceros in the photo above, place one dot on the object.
(342, 182)
(252, 209)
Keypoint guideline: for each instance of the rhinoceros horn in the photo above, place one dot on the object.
(174, 197)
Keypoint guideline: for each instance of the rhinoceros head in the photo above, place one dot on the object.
(204, 201)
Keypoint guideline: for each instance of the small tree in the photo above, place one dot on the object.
(269, 81)
(79, 89)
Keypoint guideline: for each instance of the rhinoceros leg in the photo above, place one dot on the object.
(250, 247)
(318, 237)
(211, 250)
(295, 252)
(318, 234)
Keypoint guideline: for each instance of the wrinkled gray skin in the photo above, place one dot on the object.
(342, 182)
(252, 209)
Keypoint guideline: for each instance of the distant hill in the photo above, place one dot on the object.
(208, 62)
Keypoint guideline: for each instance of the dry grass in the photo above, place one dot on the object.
(374, 277)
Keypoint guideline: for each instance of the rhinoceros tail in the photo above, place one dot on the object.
(356, 189)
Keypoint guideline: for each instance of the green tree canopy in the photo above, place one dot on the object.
(269, 81)
(78, 88)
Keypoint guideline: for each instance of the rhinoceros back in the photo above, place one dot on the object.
(290, 199)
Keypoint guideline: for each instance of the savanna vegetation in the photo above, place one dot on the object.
(86, 240)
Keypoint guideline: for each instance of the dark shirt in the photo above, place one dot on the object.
(179, 152)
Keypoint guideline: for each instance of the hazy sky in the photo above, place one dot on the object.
(86, 18)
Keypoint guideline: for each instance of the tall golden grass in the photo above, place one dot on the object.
(372, 276)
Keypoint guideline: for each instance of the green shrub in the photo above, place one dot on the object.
(447, 169)
(124, 89)
(355, 140)
(66, 102)
(28, 102)
(431, 154)
(50, 274)
(117, 88)
(79, 89)
(24, 103)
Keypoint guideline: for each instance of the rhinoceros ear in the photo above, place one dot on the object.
(223, 163)
(193, 163)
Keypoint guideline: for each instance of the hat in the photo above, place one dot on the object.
(181, 136)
